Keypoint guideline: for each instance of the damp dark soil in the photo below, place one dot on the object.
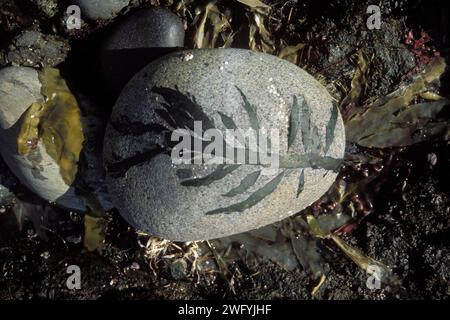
(409, 232)
(408, 229)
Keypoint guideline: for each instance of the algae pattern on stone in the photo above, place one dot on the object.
(180, 110)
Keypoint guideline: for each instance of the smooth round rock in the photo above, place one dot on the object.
(101, 9)
(139, 39)
(224, 88)
(20, 87)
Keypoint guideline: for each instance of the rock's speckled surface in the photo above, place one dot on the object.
(34, 49)
(223, 88)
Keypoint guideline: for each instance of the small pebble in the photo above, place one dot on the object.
(135, 266)
(45, 255)
(432, 158)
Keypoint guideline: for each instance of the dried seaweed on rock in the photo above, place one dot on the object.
(260, 38)
(256, 5)
(210, 26)
(291, 53)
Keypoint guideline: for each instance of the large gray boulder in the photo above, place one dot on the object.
(224, 89)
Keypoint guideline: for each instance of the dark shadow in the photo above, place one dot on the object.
(119, 66)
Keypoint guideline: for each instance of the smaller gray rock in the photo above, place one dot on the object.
(20, 87)
(34, 49)
(178, 269)
(142, 37)
(101, 9)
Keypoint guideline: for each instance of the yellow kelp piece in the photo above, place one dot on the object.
(56, 122)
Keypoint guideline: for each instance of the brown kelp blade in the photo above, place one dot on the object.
(392, 121)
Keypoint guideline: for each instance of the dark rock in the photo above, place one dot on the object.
(101, 9)
(136, 41)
